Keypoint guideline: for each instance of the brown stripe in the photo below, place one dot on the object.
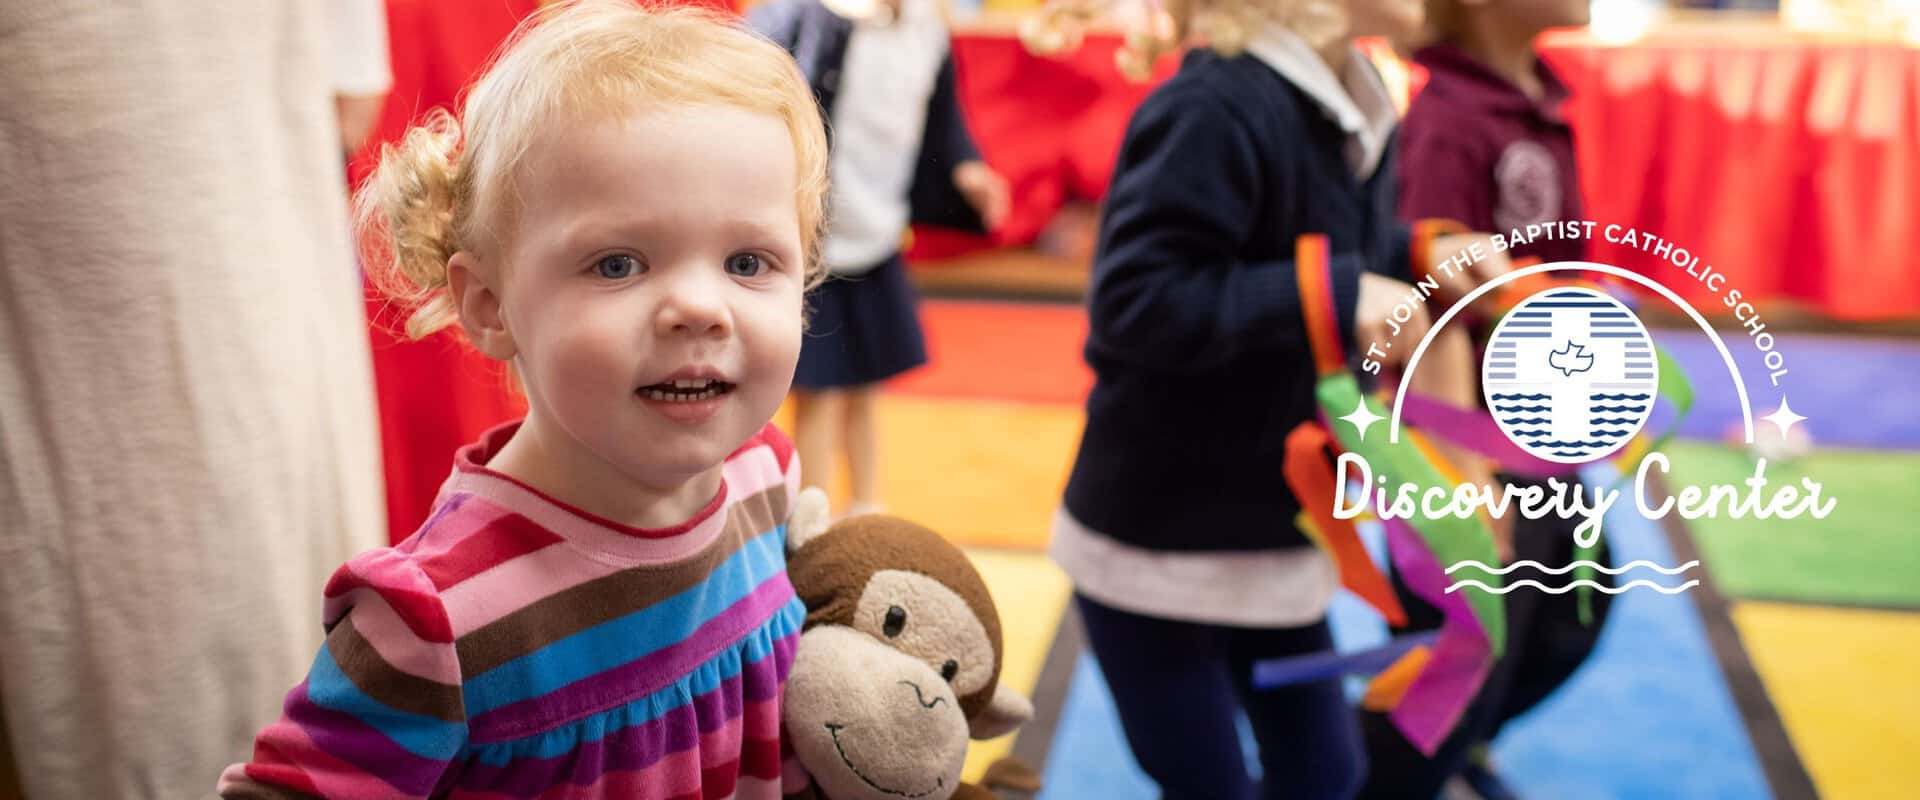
(572, 610)
(391, 687)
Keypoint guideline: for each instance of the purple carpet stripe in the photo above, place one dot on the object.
(636, 678)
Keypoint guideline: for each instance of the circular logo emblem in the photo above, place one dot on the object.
(1570, 375)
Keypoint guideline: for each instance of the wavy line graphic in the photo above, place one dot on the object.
(1575, 454)
(1533, 397)
(1528, 421)
(1574, 444)
(1612, 397)
(1522, 409)
(1571, 586)
(1617, 409)
(1614, 421)
(1573, 565)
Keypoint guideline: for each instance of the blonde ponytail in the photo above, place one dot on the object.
(406, 214)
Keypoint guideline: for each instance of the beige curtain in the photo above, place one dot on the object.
(187, 441)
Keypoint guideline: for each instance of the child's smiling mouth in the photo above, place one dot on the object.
(689, 396)
(685, 390)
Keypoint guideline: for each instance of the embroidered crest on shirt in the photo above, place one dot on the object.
(1526, 184)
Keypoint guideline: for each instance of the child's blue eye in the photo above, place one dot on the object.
(745, 265)
(617, 267)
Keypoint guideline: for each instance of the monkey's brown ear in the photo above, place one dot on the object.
(810, 518)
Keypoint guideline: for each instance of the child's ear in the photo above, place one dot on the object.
(478, 302)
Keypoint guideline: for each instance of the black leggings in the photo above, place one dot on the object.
(1179, 687)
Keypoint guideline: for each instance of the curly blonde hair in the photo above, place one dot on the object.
(1224, 26)
(449, 186)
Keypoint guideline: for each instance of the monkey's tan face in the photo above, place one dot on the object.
(872, 722)
(923, 618)
(899, 665)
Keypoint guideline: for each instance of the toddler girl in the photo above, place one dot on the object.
(626, 211)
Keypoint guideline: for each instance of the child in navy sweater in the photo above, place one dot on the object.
(1176, 527)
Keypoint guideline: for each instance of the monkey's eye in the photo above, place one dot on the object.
(896, 621)
(949, 669)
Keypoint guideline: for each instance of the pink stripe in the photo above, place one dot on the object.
(721, 744)
(504, 539)
(759, 720)
(508, 587)
(792, 479)
(493, 595)
(401, 649)
(674, 774)
(750, 473)
(452, 527)
(332, 776)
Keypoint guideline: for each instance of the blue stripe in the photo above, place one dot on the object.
(1639, 375)
(1499, 362)
(1530, 323)
(1598, 323)
(1526, 334)
(632, 636)
(1533, 314)
(1500, 376)
(423, 736)
(1616, 334)
(1636, 345)
(1573, 293)
(1571, 304)
(561, 741)
(1608, 315)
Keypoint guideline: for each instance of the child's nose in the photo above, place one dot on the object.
(694, 310)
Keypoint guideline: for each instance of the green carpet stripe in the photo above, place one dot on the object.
(1866, 552)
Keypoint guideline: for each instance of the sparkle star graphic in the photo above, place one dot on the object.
(1783, 418)
(1362, 418)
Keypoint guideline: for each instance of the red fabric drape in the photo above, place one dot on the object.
(1791, 164)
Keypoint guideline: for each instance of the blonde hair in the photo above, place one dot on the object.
(1224, 26)
(449, 185)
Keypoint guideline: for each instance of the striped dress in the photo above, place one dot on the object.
(515, 647)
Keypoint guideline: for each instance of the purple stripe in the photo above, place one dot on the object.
(642, 676)
(347, 738)
(639, 746)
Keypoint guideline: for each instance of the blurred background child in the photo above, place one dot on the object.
(883, 70)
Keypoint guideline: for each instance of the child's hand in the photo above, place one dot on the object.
(984, 189)
(1486, 267)
(1372, 316)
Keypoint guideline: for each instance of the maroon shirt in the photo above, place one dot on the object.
(1476, 149)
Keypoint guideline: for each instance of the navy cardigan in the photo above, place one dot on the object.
(1197, 338)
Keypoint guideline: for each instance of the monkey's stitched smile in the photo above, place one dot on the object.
(938, 782)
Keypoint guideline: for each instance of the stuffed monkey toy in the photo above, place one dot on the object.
(898, 664)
